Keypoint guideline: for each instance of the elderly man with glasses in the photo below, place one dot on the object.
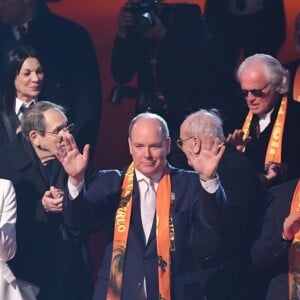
(50, 254)
(269, 136)
(224, 263)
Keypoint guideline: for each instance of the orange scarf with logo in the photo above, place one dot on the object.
(274, 150)
(164, 235)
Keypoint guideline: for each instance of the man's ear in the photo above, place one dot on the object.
(34, 138)
(130, 145)
(196, 145)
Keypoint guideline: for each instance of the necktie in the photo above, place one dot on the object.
(23, 109)
(256, 127)
(148, 208)
(22, 32)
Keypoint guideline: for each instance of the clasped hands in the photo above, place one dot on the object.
(52, 200)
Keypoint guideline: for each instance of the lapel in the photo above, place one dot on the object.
(11, 123)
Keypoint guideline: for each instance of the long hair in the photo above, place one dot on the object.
(12, 65)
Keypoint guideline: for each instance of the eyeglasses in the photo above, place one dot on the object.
(255, 92)
(68, 128)
(180, 141)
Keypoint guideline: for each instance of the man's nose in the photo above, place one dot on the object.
(147, 152)
(250, 96)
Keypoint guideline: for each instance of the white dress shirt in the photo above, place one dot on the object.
(19, 104)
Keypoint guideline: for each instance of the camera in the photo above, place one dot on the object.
(150, 102)
(142, 12)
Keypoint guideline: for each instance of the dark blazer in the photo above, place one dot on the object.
(257, 147)
(262, 32)
(224, 260)
(50, 254)
(8, 127)
(70, 65)
(192, 204)
(270, 251)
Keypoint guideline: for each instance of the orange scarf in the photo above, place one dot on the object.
(296, 85)
(274, 150)
(294, 254)
(165, 236)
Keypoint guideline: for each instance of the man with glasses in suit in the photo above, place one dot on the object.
(50, 254)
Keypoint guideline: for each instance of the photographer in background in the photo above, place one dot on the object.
(167, 46)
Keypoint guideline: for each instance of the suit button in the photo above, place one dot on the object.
(139, 284)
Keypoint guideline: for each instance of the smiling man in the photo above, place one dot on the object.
(148, 256)
(50, 254)
(269, 136)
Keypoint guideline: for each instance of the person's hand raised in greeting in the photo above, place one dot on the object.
(74, 162)
(205, 155)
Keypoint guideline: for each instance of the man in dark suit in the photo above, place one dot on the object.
(50, 254)
(270, 252)
(269, 135)
(159, 265)
(224, 261)
(173, 60)
(251, 26)
(67, 56)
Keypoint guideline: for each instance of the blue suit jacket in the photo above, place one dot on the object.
(192, 204)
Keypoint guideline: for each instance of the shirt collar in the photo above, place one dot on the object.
(16, 32)
(265, 120)
(140, 177)
(19, 103)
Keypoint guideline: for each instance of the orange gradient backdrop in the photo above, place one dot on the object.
(99, 18)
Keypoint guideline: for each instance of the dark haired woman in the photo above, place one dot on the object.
(21, 84)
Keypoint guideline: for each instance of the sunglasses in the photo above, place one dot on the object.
(255, 92)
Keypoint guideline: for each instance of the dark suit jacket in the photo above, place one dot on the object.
(257, 147)
(8, 127)
(224, 260)
(192, 204)
(70, 65)
(50, 254)
(184, 61)
(263, 32)
(270, 251)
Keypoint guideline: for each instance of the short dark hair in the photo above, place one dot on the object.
(12, 65)
(34, 119)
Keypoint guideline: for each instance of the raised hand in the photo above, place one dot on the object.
(206, 160)
(237, 139)
(74, 162)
